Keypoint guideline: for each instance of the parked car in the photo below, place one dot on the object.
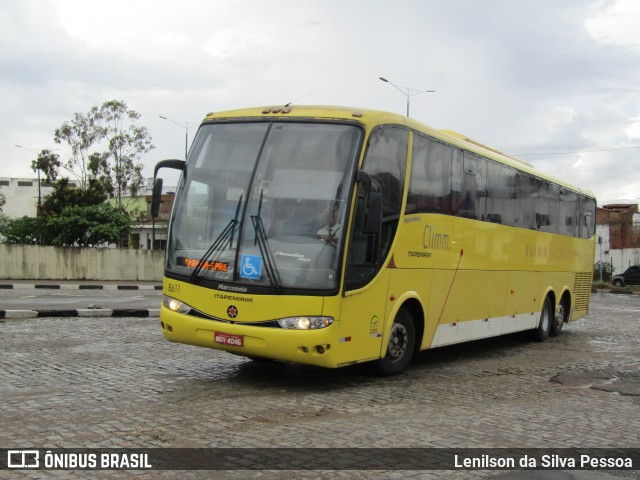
(630, 277)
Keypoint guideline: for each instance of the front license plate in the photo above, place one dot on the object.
(227, 339)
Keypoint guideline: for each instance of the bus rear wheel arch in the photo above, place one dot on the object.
(401, 346)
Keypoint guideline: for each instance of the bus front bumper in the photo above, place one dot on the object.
(312, 347)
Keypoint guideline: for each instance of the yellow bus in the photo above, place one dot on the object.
(332, 236)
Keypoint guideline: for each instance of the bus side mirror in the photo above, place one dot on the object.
(177, 164)
(157, 185)
(156, 197)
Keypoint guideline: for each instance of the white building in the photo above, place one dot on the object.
(22, 196)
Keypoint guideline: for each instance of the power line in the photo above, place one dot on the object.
(582, 151)
(614, 168)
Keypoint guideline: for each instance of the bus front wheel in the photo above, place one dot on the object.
(541, 333)
(402, 341)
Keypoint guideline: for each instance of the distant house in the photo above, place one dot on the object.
(618, 235)
(148, 233)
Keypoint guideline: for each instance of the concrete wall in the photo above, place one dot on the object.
(623, 259)
(33, 262)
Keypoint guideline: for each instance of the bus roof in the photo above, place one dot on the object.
(371, 118)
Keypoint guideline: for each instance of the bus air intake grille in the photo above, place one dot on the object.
(582, 291)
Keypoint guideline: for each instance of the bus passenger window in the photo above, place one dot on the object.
(568, 224)
(473, 187)
(430, 184)
(501, 195)
(548, 214)
(528, 189)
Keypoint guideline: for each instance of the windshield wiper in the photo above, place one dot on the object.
(220, 242)
(265, 251)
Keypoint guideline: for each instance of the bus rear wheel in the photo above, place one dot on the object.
(402, 341)
(541, 333)
(559, 318)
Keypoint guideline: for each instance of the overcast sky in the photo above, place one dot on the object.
(559, 79)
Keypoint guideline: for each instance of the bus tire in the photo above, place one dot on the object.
(402, 341)
(559, 318)
(541, 333)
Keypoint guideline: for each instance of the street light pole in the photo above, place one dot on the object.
(184, 125)
(410, 92)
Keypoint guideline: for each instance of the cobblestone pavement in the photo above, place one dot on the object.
(92, 382)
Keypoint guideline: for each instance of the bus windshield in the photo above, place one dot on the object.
(264, 204)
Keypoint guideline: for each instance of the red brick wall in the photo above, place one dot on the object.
(622, 233)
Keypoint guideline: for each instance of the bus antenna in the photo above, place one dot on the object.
(297, 100)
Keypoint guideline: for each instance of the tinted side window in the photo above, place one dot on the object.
(430, 185)
(528, 198)
(586, 217)
(386, 161)
(501, 207)
(450, 181)
(568, 210)
(548, 215)
(473, 187)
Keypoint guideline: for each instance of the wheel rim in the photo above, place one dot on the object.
(398, 342)
(560, 314)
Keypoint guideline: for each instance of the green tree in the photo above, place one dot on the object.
(4, 220)
(81, 134)
(127, 142)
(88, 225)
(26, 230)
(107, 145)
(604, 269)
(48, 163)
(64, 195)
(3, 200)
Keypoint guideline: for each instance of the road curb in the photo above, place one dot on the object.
(54, 286)
(80, 312)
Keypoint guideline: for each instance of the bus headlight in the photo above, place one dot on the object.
(175, 305)
(305, 323)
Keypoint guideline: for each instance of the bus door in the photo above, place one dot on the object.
(365, 305)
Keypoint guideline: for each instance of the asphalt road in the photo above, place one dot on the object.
(74, 295)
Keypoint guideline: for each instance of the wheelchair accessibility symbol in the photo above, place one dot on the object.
(251, 267)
